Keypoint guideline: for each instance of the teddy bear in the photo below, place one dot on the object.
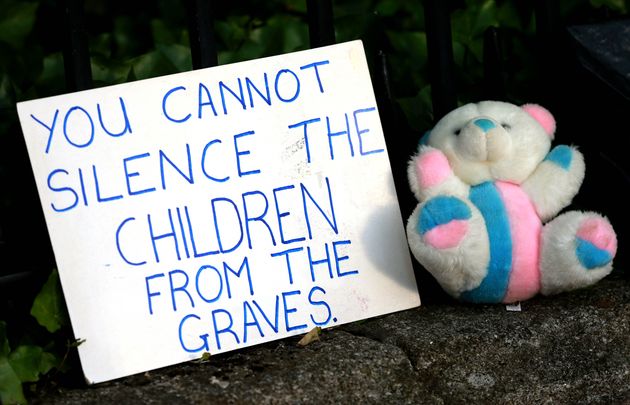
(489, 191)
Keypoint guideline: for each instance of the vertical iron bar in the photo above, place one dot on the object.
(399, 137)
(493, 73)
(203, 47)
(440, 54)
(321, 30)
(76, 55)
(550, 53)
(384, 70)
(3, 250)
(546, 12)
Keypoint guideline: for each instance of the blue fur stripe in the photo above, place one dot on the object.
(561, 155)
(492, 289)
(590, 256)
(441, 210)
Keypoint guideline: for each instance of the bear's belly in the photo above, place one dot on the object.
(514, 234)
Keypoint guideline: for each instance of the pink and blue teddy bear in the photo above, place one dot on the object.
(489, 190)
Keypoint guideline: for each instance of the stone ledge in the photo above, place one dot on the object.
(572, 348)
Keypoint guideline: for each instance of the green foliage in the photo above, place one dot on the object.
(245, 38)
(16, 22)
(49, 307)
(29, 361)
(10, 384)
(24, 364)
(150, 39)
(617, 5)
(16, 66)
(137, 40)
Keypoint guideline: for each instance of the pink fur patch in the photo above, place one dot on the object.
(432, 168)
(600, 233)
(544, 117)
(525, 227)
(448, 235)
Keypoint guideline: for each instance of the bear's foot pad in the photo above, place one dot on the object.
(596, 243)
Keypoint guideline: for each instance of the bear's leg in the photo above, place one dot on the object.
(577, 251)
(447, 235)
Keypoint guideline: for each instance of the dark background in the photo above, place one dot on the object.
(132, 40)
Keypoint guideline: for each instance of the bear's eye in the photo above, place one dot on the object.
(505, 126)
(457, 131)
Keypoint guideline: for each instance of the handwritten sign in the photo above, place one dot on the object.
(216, 209)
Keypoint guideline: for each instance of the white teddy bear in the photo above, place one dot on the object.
(486, 182)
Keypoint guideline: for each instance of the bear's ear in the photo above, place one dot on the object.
(544, 117)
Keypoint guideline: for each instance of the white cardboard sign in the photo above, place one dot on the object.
(216, 209)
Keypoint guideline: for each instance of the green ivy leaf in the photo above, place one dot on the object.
(178, 55)
(28, 362)
(106, 71)
(418, 109)
(485, 17)
(16, 22)
(126, 39)
(49, 306)
(10, 385)
(388, 8)
(618, 5)
(232, 31)
(152, 64)
(7, 92)
(161, 33)
(411, 44)
(298, 6)
(508, 17)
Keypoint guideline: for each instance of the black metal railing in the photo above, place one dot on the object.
(203, 46)
(76, 55)
(400, 140)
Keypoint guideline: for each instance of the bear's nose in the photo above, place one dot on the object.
(485, 124)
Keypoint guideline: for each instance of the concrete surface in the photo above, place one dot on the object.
(572, 348)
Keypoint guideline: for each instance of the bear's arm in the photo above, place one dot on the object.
(429, 174)
(555, 181)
